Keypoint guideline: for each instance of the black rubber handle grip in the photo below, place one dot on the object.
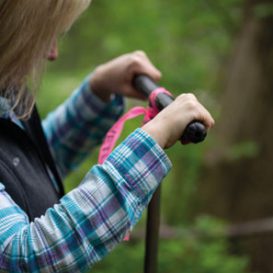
(195, 131)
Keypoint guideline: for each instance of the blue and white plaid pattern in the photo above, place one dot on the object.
(93, 218)
(79, 125)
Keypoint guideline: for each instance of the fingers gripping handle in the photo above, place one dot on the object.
(195, 131)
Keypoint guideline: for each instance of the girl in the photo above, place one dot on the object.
(41, 229)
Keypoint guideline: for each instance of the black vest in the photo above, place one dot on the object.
(24, 163)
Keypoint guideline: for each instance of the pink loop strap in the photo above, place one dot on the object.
(114, 133)
(154, 94)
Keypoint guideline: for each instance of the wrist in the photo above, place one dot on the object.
(98, 89)
(157, 133)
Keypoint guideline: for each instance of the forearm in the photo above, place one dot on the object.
(78, 125)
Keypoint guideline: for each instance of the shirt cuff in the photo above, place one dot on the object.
(91, 103)
(140, 161)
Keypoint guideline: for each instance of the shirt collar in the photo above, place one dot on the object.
(4, 107)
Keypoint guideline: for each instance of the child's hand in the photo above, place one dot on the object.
(116, 76)
(168, 126)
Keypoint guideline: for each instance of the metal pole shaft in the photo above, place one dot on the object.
(152, 234)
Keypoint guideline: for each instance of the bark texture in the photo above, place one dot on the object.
(238, 177)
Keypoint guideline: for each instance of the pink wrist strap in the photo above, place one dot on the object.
(114, 133)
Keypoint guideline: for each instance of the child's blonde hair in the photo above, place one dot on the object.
(27, 30)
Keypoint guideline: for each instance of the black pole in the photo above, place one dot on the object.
(152, 234)
(195, 132)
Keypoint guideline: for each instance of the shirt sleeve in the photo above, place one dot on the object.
(78, 125)
(90, 220)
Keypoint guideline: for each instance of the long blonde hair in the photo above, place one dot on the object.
(27, 30)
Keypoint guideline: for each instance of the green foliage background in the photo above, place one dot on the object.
(190, 42)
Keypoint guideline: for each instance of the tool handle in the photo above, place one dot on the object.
(195, 131)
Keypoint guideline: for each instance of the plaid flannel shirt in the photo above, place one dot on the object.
(92, 219)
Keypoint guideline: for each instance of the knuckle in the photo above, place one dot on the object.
(140, 53)
(181, 97)
(188, 98)
(134, 59)
(191, 96)
(192, 105)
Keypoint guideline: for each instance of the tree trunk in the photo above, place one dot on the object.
(238, 182)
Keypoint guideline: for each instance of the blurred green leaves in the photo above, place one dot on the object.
(246, 149)
(185, 39)
(197, 252)
(263, 10)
